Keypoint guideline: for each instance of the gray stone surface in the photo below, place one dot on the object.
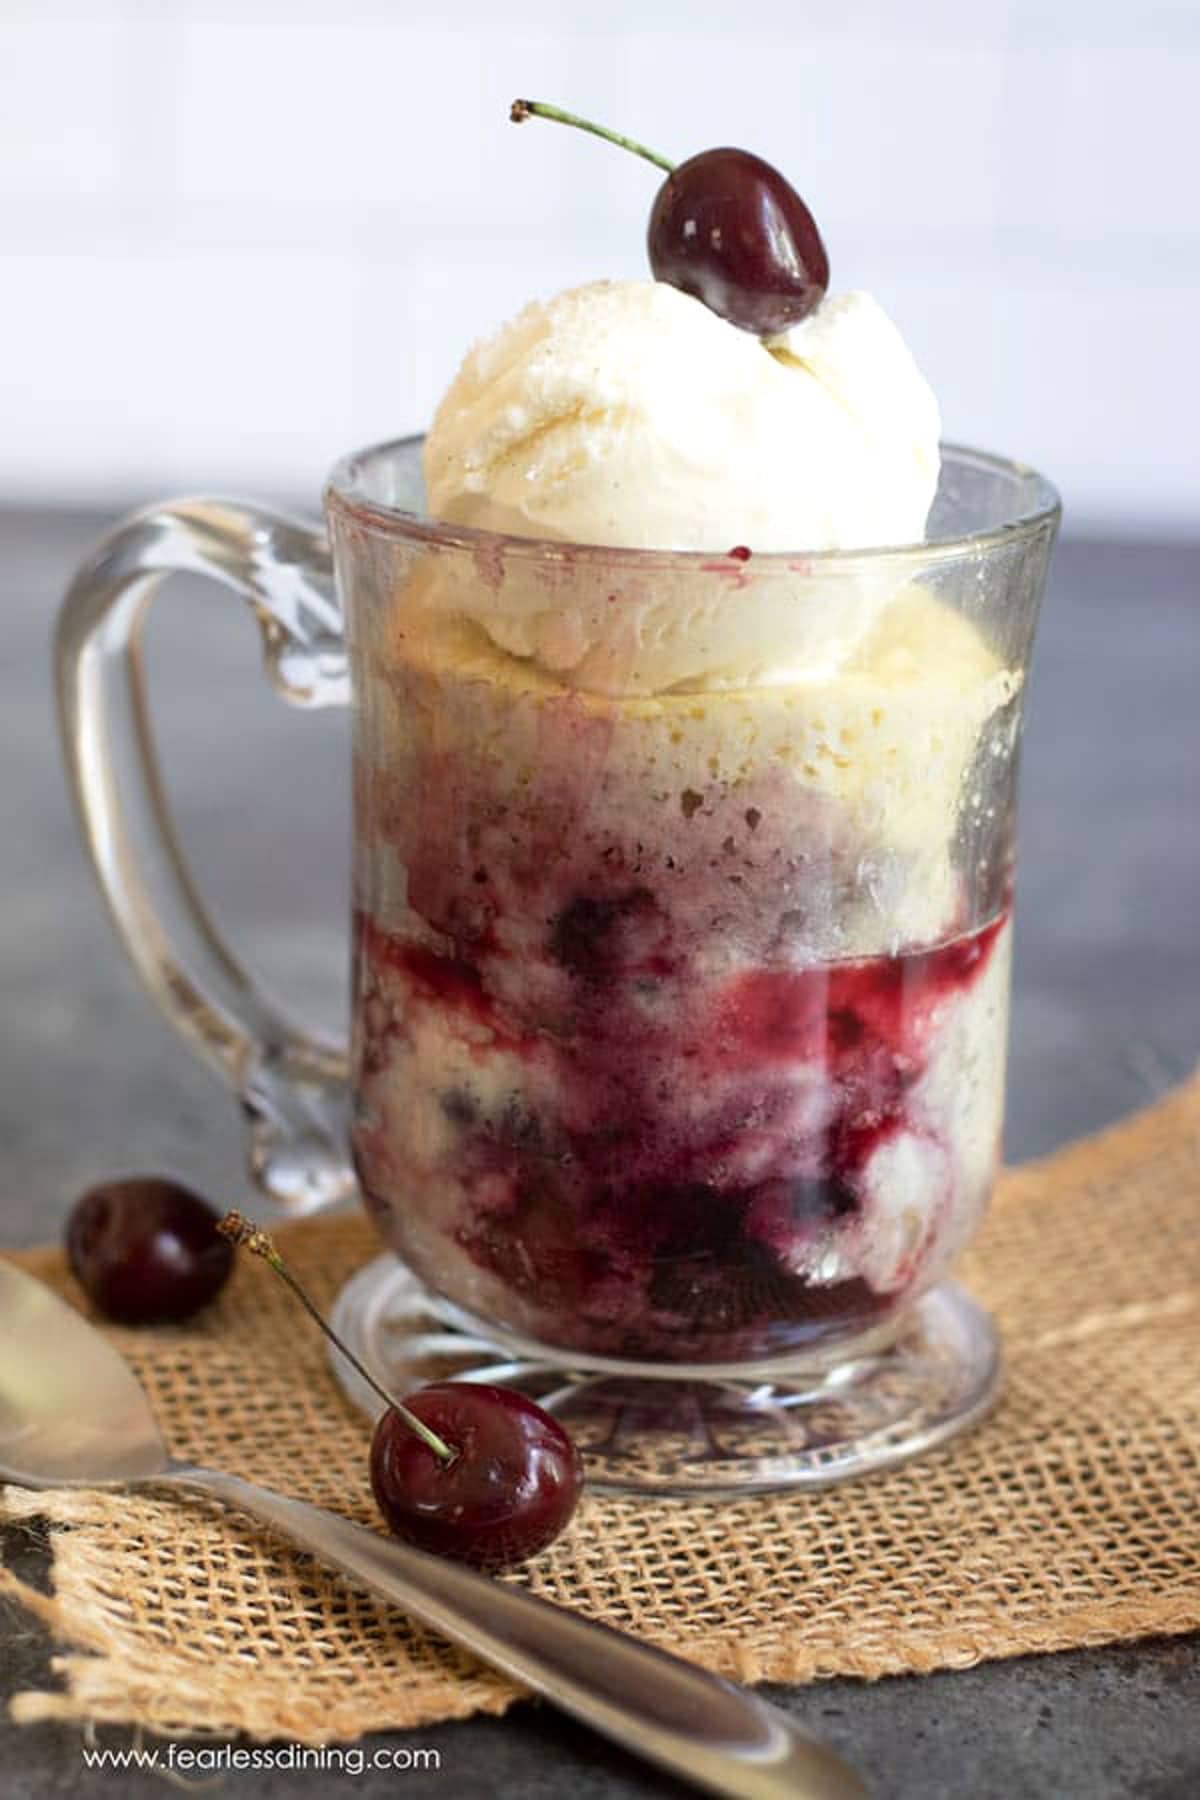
(1105, 1017)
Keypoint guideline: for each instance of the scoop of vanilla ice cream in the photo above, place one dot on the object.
(627, 413)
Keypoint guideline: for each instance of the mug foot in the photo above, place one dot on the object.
(694, 1429)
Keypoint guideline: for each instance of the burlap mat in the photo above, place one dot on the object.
(1069, 1518)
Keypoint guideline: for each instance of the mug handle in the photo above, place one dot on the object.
(292, 1084)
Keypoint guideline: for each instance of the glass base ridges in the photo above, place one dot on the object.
(693, 1429)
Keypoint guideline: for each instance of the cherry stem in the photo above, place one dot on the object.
(245, 1232)
(538, 109)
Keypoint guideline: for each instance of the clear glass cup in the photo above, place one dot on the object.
(681, 951)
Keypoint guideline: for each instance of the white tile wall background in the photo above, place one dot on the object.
(240, 236)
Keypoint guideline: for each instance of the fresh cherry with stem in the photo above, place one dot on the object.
(727, 228)
(479, 1473)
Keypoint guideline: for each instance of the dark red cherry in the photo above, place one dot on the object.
(144, 1248)
(727, 228)
(507, 1491)
(465, 1470)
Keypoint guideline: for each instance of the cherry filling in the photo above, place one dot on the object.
(659, 1163)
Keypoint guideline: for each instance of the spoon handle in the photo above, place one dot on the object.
(714, 1734)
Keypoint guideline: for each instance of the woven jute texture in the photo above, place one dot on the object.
(1070, 1517)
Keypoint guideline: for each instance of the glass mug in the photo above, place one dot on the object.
(682, 892)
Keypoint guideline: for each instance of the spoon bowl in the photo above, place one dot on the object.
(72, 1411)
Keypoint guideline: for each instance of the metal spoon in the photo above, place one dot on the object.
(72, 1414)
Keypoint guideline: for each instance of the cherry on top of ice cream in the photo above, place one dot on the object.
(727, 228)
(729, 400)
